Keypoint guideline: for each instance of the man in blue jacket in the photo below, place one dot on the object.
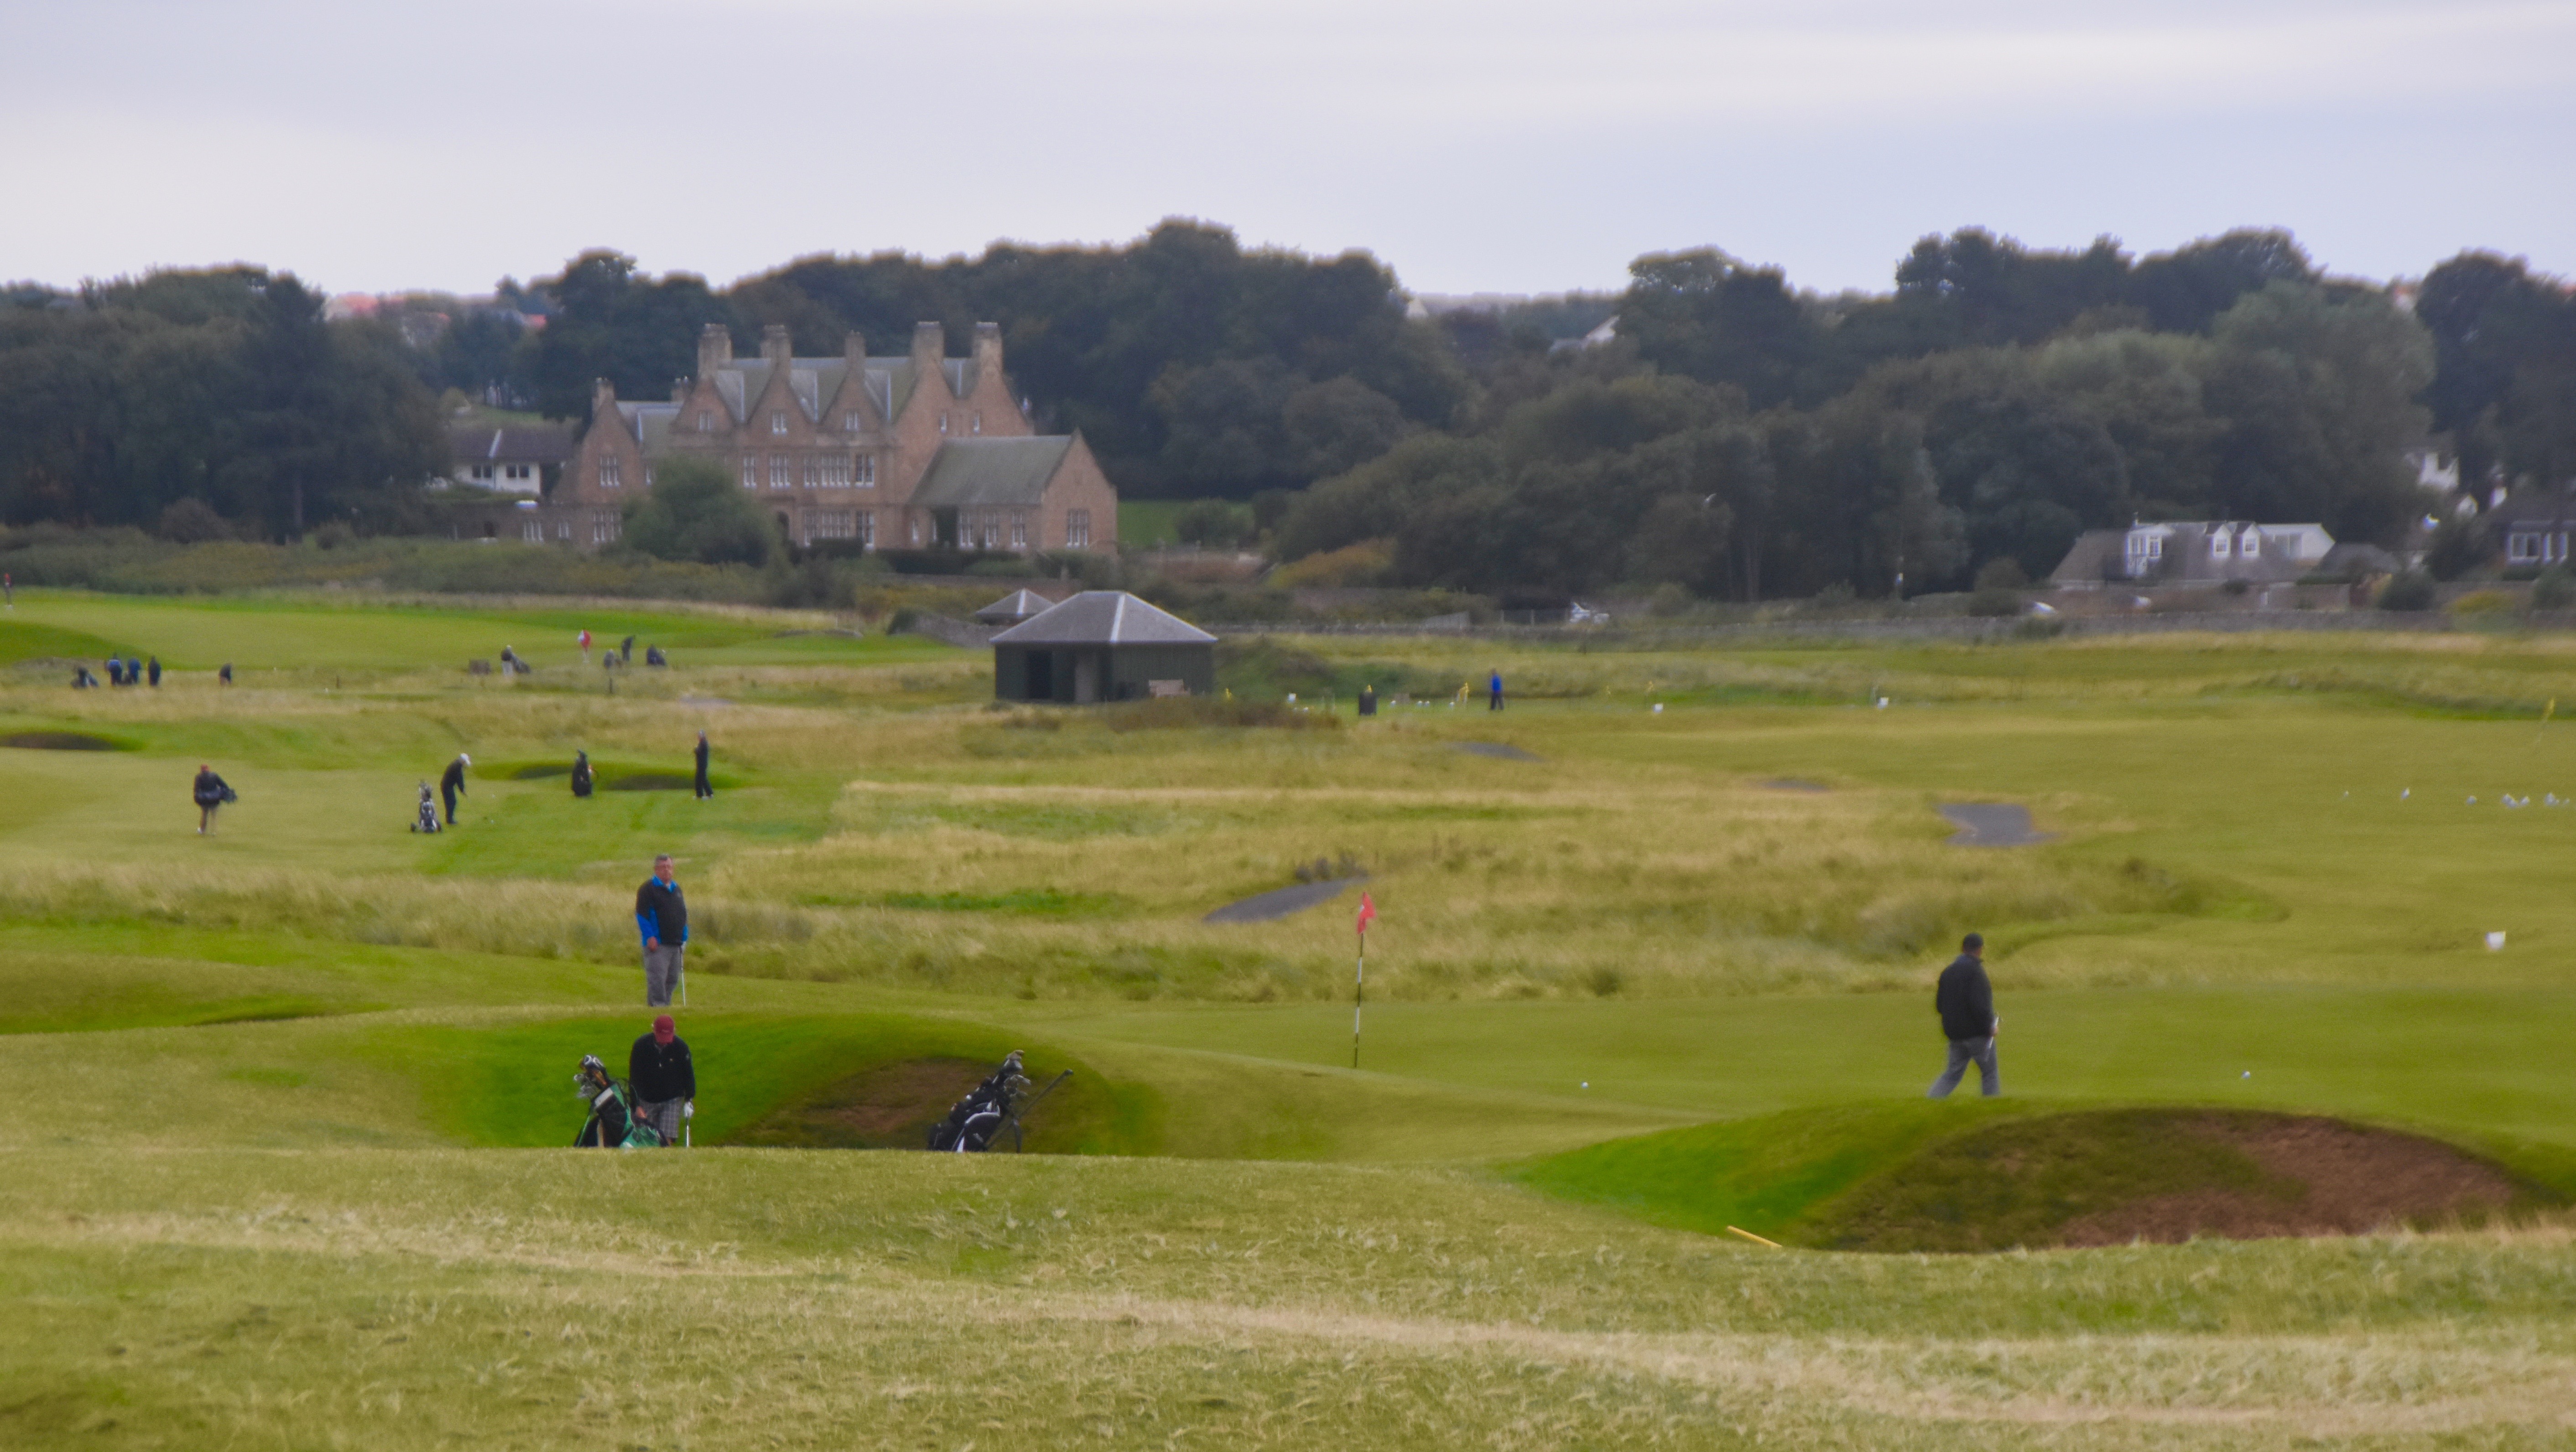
(662, 915)
(1966, 1003)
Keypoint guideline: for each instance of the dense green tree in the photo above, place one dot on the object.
(1706, 315)
(696, 511)
(638, 333)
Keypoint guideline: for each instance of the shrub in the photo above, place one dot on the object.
(1994, 604)
(2483, 602)
(193, 521)
(2002, 573)
(697, 512)
(2412, 590)
(2553, 589)
(1370, 562)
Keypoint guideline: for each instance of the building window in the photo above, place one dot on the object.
(867, 467)
(975, 422)
(603, 526)
(1019, 531)
(778, 421)
(853, 421)
(813, 471)
(778, 467)
(916, 531)
(836, 470)
(706, 421)
(867, 522)
(2218, 545)
(751, 471)
(517, 472)
(992, 531)
(2251, 545)
(608, 467)
(648, 473)
(563, 531)
(1077, 529)
(943, 423)
(834, 524)
(534, 531)
(480, 473)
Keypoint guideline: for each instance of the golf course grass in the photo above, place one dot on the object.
(289, 1102)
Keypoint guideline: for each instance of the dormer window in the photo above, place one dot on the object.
(2218, 545)
(853, 421)
(706, 421)
(2251, 545)
(778, 421)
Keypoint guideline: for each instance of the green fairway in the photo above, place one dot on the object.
(279, 1091)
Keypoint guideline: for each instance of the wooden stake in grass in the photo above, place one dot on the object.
(2550, 711)
(1756, 1239)
(1359, 982)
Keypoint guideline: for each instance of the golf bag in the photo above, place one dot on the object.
(994, 1108)
(427, 821)
(612, 1123)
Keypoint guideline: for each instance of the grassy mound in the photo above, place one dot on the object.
(1985, 1177)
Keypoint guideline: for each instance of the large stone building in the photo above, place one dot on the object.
(910, 452)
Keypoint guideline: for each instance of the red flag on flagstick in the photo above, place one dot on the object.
(1368, 913)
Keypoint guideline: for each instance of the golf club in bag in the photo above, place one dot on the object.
(991, 1109)
(612, 1123)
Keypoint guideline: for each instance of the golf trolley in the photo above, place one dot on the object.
(427, 821)
(992, 1109)
(612, 1123)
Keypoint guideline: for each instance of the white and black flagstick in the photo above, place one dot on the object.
(1359, 993)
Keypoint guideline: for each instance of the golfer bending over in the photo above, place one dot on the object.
(660, 1076)
(1966, 1003)
(662, 915)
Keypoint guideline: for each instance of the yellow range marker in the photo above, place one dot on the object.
(1756, 1239)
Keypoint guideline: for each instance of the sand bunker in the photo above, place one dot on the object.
(889, 1106)
(1993, 824)
(1279, 904)
(57, 741)
(1500, 751)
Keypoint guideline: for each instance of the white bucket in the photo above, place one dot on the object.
(2495, 942)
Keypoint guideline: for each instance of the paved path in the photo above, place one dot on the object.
(1993, 824)
(1281, 903)
(1496, 749)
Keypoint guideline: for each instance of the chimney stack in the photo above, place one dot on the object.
(929, 347)
(988, 350)
(775, 348)
(854, 354)
(603, 399)
(679, 390)
(715, 348)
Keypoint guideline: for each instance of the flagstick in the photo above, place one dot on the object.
(2544, 720)
(1359, 992)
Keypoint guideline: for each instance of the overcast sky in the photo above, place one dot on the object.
(1482, 145)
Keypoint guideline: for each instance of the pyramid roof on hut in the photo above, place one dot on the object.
(1015, 607)
(1104, 617)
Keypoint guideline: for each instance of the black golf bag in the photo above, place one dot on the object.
(427, 821)
(991, 1108)
(612, 1123)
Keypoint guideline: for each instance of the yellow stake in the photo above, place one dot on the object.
(1756, 1239)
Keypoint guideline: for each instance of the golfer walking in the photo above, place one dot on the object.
(663, 1081)
(704, 790)
(209, 793)
(451, 784)
(662, 915)
(1494, 692)
(1966, 1003)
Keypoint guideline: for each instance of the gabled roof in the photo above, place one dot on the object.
(817, 381)
(1105, 617)
(980, 472)
(1016, 606)
(483, 444)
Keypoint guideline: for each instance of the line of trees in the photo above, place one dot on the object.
(1741, 437)
(220, 399)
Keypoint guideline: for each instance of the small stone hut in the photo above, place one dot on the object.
(1013, 608)
(1102, 645)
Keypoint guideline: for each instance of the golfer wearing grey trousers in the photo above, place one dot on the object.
(1966, 1003)
(662, 916)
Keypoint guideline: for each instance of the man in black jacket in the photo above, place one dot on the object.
(704, 791)
(451, 784)
(662, 1079)
(1966, 1003)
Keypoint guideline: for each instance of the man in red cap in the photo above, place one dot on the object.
(663, 1081)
